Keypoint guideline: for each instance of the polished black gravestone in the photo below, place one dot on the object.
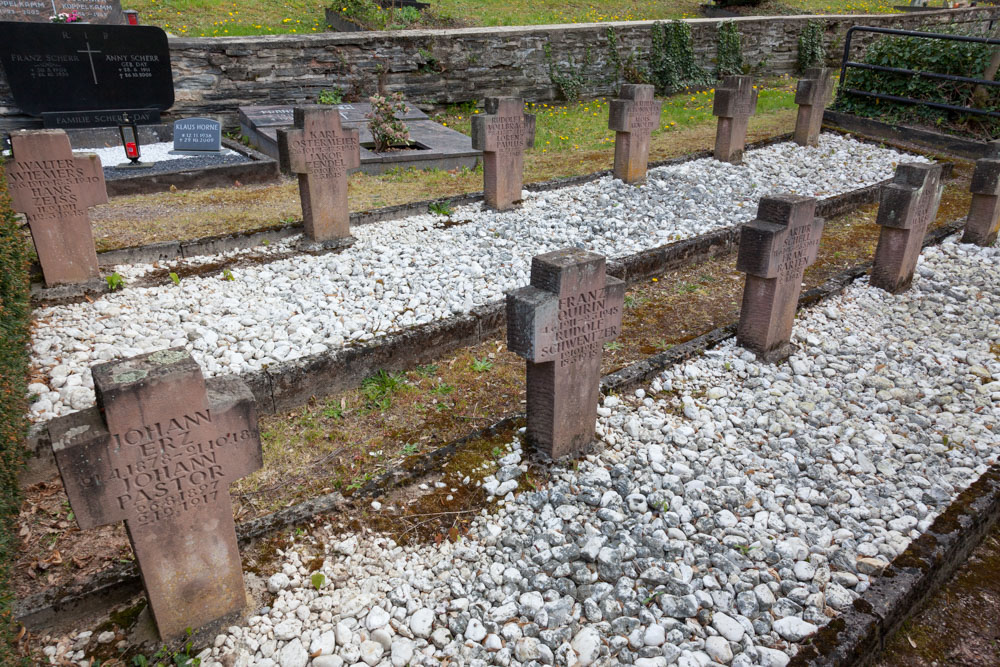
(197, 136)
(434, 146)
(39, 11)
(76, 75)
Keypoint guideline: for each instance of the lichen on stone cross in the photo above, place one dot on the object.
(811, 94)
(735, 101)
(559, 324)
(161, 459)
(983, 223)
(906, 208)
(775, 250)
(502, 133)
(321, 152)
(54, 188)
(633, 117)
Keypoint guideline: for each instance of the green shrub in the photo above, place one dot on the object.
(932, 55)
(672, 66)
(811, 53)
(729, 51)
(15, 317)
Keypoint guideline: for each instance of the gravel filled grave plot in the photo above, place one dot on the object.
(403, 273)
(732, 508)
(161, 158)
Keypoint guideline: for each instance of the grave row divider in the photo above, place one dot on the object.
(290, 384)
(122, 581)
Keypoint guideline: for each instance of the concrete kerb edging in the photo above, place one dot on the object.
(290, 384)
(121, 582)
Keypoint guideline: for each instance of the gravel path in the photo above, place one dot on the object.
(732, 508)
(404, 273)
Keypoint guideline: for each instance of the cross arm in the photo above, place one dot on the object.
(614, 299)
(82, 448)
(619, 115)
(234, 414)
(353, 156)
(895, 205)
(480, 138)
(758, 239)
(532, 323)
(986, 178)
(529, 130)
(290, 152)
(92, 176)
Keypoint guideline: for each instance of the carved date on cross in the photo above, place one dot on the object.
(559, 324)
(161, 460)
(775, 250)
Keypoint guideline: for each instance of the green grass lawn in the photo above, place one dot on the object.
(200, 18)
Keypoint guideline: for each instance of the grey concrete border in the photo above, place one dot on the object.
(121, 582)
(926, 139)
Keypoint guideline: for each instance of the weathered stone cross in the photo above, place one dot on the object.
(321, 152)
(559, 324)
(983, 222)
(54, 188)
(907, 207)
(161, 460)
(502, 134)
(811, 94)
(633, 117)
(735, 101)
(775, 250)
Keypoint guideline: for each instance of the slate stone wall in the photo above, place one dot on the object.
(215, 75)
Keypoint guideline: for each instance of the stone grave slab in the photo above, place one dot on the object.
(983, 222)
(559, 324)
(75, 75)
(811, 94)
(321, 152)
(435, 146)
(775, 250)
(197, 136)
(735, 101)
(502, 133)
(907, 206)
(159, 454)
(54, 188)
(633, 117)
(39, 11)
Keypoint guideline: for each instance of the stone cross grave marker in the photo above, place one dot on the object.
(502, 133)
(633, 117)
(53, 188)
(161, 460)
(907, 206)
(775, 250)
(735, 101)
(983, 222)
(811, 95)
(321, 152)
(559, 324)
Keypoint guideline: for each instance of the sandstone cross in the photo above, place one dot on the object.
(983, 222)
(811, 95)
(54, 188)
(775, 250)
(502, 134)
(559, 324)
(735, 101)
(907, 207)
(634, 116)
(161, 459)
(321, 152)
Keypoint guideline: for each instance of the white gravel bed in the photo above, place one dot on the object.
(158, 152)
(732, 508)
(404, 273)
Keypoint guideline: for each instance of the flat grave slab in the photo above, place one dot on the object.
(437, 147)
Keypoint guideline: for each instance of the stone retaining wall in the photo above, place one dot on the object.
(215, 75)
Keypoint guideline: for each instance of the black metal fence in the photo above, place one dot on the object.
(847, 63)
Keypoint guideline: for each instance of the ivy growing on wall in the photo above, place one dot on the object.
(811, 53)
(672, 66)
(569, 82)
(629, 68)
(729, 50)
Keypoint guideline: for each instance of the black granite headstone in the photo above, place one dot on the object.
(86, 68)
(198, 135)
